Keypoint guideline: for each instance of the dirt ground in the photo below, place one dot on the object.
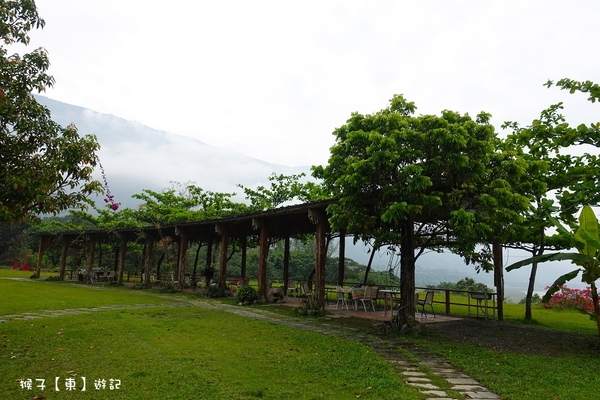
(514, 338)
(492, 334)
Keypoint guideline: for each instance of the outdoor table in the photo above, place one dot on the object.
(357, 290)
(394, 294)
(481, 303)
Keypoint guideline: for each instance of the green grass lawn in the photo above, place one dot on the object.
(568, 320)
(176, 351)
(181, 352)
(520, 375)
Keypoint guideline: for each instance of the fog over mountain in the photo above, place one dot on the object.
(136, 157)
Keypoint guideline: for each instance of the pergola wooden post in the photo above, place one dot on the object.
(63, 257)
(44, 242)
(122, 254)
(209, 250)
(148, 257)
(263, 256)
(286, 264)
(320, 218)
(183, 246)
(223, 264)
(91, 250)
(244, 253)
(342, 258)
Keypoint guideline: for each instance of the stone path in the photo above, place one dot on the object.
(82, 310)
(419, 367)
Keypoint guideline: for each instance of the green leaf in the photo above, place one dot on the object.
(575, 257)
(559, 282)
(588, 223)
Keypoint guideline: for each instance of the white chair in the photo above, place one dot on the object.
(428, 300)
(368, 298)
(341, 297)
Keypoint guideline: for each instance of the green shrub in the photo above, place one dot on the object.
(247, 295)
(310, 307)
(215, 291)
(167, 287)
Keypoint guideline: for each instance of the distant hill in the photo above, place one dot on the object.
(137, 157)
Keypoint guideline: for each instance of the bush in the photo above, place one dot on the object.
(214, 291)
(22, 266)
(535, 299)
(309, 307)
(571, 298)
(247, 295)
(167, 287)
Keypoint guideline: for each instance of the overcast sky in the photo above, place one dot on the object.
(273, 79)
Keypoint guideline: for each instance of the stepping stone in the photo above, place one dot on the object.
(482, 395)
(468, 388)
(417, 379)
(424, 385)
(414, 373)
(462, 381)
(438, 393)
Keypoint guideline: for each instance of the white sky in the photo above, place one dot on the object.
(273, 79)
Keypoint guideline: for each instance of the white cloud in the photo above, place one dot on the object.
(273, 79)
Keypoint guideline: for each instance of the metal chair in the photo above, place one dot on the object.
(427, 301)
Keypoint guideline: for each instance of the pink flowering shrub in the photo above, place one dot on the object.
(571, 298)
(22, 266)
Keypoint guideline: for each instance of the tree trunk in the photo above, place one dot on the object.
(530, 289)
(498, 277)
(407, 272)
(596, 306)
(535, 252)
(369, 265)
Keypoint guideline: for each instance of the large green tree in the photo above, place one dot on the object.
(44, 168)
(551, 173)
(414, 180)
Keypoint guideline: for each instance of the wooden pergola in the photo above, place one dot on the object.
(281, 223)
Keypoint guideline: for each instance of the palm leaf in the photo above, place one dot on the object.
(591, 242)
(559, 282)
(588, 224)
(576, 257)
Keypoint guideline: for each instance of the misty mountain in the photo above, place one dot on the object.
(136, 157)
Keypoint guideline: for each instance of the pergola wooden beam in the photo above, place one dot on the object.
(279, 223)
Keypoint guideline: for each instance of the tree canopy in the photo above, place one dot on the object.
(44, 168)
(415, 180)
